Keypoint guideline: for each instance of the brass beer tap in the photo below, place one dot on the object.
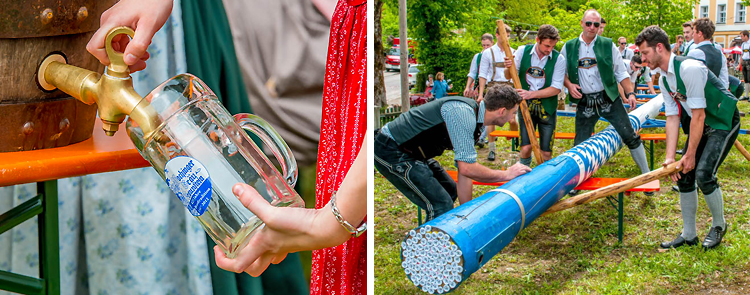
(112, 92)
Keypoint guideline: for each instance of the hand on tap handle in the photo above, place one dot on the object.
(146, 17)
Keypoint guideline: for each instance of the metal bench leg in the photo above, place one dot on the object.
(49, 242)
(44, 206)
(619, 208)
(619, 217)
(651, 153)
(13, 282)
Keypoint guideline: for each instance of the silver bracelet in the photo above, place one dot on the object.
(356, 232)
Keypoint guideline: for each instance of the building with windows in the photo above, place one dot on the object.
(730, 17)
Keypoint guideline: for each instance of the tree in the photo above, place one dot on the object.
(669, 15)
(389, 22)
(527, 11)
(570, 5)
(379, 90)
(447, 34)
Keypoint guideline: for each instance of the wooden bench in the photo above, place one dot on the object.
(513, 135)
(589, 184)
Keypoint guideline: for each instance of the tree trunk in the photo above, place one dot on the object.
(379, 91)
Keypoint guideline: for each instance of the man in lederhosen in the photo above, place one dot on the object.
(594, 69)
(541, 72)
(688, 85)
(625, 52)
(492, 72)
(472, 82)
(745, 62)
(705, 51)
(406, 146)
(638, 72)
(687, 31)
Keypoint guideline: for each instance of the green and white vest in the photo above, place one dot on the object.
(549, 103)
(720, 103)
(603, 54)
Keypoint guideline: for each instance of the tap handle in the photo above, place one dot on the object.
(116, 62)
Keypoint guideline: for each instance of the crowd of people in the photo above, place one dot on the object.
(599, 76)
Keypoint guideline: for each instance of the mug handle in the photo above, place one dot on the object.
(273, 141)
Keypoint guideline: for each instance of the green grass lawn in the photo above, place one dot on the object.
(576, 251)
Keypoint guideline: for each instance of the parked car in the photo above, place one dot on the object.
(393, 59)
(413, 71)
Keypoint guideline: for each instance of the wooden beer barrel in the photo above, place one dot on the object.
(31, 118)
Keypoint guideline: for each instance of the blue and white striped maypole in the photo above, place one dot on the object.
(445, 251)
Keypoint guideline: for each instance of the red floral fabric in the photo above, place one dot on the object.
(342, 269)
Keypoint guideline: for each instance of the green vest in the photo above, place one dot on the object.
(735, 86)
(476, 75)
(687, 48)
(603, 54)
(720, 103)
(549, 103)
(421, 132)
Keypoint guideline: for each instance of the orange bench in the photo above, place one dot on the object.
(589, 184)
(570, 135)
(513, 135)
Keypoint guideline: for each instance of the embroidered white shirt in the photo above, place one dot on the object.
(558, 76)
(589, 79)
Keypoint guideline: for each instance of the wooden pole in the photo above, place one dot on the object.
(614, 188)
(403, 45)
(517, 83)
(742, 149)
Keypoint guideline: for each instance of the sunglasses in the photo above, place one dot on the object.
(596, 24)
(638, 67)
(623, 43)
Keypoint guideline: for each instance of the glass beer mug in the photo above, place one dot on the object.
(201, 151)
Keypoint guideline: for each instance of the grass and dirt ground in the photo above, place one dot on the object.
(576, 251)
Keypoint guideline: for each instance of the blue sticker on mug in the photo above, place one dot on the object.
(189, 180)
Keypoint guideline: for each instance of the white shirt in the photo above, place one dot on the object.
(634, 73)
(693, 45)
(589, 79)
(626, 53)
(745, 46)
(688, 46)
(558, 76)
(698, 54)
(694, 75)
(473, 69)
(485, 66)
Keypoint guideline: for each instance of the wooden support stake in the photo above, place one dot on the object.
(517, 84)
(614, 188)
(742, 149)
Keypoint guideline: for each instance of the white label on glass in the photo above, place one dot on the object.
(189, 180)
